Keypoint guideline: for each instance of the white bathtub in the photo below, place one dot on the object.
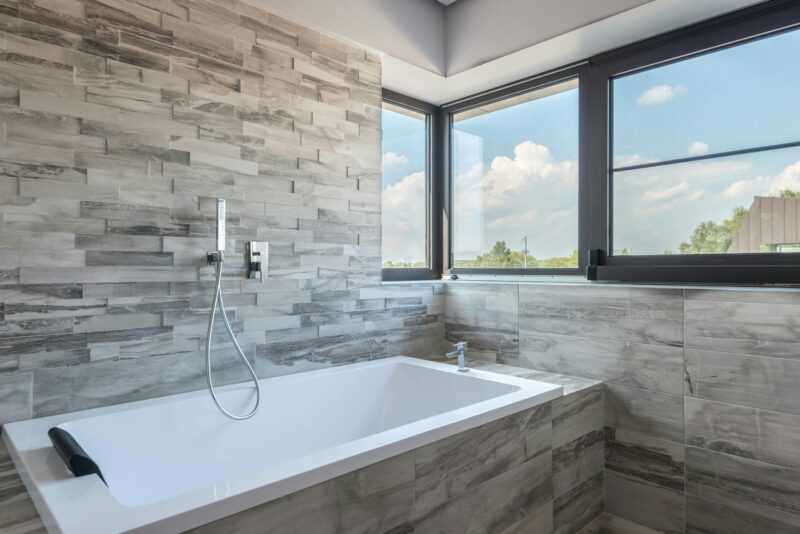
(175, 462)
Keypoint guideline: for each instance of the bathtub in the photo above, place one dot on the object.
(175, 463)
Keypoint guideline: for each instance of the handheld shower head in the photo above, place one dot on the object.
(220, 224)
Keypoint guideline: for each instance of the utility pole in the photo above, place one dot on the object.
(525, 252)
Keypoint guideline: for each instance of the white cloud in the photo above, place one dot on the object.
(788, 178)
(530, 194)
(403, 219)
(659, 194)
(629, 160)
(698, 148)
(393, 161)
(659, 94)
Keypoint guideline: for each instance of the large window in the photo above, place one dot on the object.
(673, 159)
(515, 181)
(705, 153)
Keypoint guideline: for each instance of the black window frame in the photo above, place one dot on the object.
(433, 186)
(749, 24)
(572, 72)
(595, 191)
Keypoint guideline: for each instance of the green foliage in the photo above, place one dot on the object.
(714, 238)
(502, 257)
(788, 193)
(388, 264)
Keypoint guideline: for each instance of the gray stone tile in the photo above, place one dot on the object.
(656, 461)
(489, 344)
(16, 397)
(577, 461)
(579, 506)
(644, 411)
(490, 306)
(571, 384)
(17, 513)
(655, 367)
(611, 524)
(647, 504)
(764, 326)
(577, 414)
(375, 499)
(498, 504)
(764, 489)
(78, 387)
(756, 381)
(646, 316)
(708, 517)
(451, 467)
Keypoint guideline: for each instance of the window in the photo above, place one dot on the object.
(411, 244)
(514, 170)
(404, 188)
(706, 153)
(673, 159)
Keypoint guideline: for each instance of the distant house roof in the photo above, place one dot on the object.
(771, 221)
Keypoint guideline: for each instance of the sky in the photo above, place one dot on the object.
(515, 170)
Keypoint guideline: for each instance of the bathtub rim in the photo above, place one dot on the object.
(50, 484)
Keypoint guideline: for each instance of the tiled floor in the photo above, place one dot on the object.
(611, 524)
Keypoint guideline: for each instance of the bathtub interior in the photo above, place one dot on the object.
(149, 454)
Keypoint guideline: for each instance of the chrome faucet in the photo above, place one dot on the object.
(461, 353)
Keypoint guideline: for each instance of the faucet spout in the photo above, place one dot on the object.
(460, 353)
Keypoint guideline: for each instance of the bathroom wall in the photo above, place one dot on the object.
(122, 121)
(702, 408)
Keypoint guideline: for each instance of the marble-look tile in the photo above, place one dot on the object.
(576, 414)
(64, 389)
(611, 524)
(16, 397)
(577, 462)
(653, 460)
(17, 513)
(484, 305)
(655, 367)
(647, 412)
(647, 504)
(579, 506)
(374, 500)
(755, 323)
(708, 517)
(761, 488)
(453, 466)
(498, 504)
(488, 344)
(772, 437)
(756, 381)
(645, 316)
(571, 384)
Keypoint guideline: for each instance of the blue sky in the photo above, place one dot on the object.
(516, 169)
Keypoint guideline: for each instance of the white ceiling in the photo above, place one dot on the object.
(440, 54)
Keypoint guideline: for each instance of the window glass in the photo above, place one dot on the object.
(515, 182)
(739, 98)
(404, 189)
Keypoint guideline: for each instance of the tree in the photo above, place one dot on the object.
(788, 193)
(712, 238)
(500, 256)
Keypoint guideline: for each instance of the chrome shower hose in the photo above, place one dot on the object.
(216, 302)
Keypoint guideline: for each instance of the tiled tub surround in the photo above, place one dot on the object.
(702, 410)
(174, 463)
(122, 121)
(506, 476)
